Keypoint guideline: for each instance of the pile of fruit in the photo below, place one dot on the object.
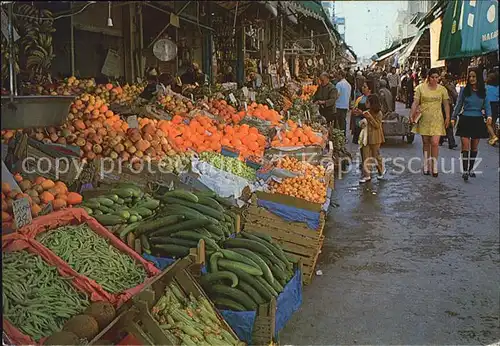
(191, 217)
(262, 112)
(190, 320)
(229, 164)
(125, 203)
(175, 104)
(308, 91)
(176, 164)
(296, 136)
(224, 110)
(248, 271)
(39, 193)
(294, 165)
(93, 256)
(305, 187)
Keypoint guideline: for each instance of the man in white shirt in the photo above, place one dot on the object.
(343, 101)
(394, 82)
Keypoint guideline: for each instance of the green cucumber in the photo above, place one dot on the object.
(278, 287)
(109, 220)
(199, 207)
(105, 209)
(258, 260)
(149, 203)
(206, 193)
(228, 304)
(234, 294)
(265, 237)
(143, 211)
(235, 256)
(251, 280)
(112, 197)
(174, 241)
(224, 201)
(181, 194)
(247, 244)
(157, 223)
(104, 201)
(228, 264)
(275, 249)
(120, 201)
(87, 209)
(215, 229)
(208, 279)
(252, 292)
(145, 242)
(91, 203)
(97, 212)
(169, 250)
(210, 202)
(128, 229)
(292, 259)
(124, 214)
(214, 258)
(193, 235)
(181, 226)
(185, 211)
(266, 284)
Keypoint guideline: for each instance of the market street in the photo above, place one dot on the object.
(412, 260)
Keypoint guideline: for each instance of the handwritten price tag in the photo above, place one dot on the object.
(246, 107)
(245, 91)
(232, 98)
(22, 212)
(270, 103)
(132, 122)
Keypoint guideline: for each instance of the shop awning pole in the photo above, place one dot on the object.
(282, 48)
(12, 73)
(72, 41)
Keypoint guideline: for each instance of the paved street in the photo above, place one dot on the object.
(411, 260)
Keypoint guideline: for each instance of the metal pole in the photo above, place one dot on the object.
(72, 42)
(282, 47)
(141, 41)
(12, 74)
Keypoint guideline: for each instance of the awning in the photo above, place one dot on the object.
(410, 47)
(470, 28)
(309, 9)
(391, 53)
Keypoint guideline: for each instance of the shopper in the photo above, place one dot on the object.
(371, 137)
(472, 101)
(325, 97)
(386, 100)
(429, 121)
(446, 81)
(410, 88)
(492, 96)
(358, 109)
(394, 83)
(343, 101)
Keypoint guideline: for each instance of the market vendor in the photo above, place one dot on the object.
(254, 80)
(193, 75)
(325, 97)
(151, 89)
(168, 81)
(228, 76)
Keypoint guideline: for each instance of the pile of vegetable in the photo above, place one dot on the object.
(189, 320)
(40, 192)
(126, 203)
(229, 164)
(337, 138)
(248, 271)
(94, 257)
(305, 187)
(36, 299)
(189, 218)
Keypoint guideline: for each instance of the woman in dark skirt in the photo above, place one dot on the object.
(472, 102)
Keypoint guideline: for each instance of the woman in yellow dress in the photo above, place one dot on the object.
(429, 121)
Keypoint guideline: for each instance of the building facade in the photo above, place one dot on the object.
(404, 25)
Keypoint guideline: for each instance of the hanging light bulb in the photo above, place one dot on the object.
(110, 21)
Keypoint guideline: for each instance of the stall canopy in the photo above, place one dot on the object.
(470, 28)
(410, 47)
(391, 53)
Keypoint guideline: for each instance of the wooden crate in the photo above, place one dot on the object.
(296, 239)
(179, 272)
(263, 332)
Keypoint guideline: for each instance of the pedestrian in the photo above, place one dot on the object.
(446, 81)
(370, 139)
(386, 100)
(428, 120)
(410, 89)
(492, 96)
(394, 83)
(471, 103)
(358, 108)
(343, 100)
(325, 97)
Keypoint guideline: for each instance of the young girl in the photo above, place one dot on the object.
(371, 138)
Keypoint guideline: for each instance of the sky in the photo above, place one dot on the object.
(365, 23)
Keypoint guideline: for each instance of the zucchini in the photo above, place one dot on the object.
(214, 258)
(105, 209)
(258, 260)
(174, 241)
(215, 229)
(97, 212)
(185, 225)
(193, 235)
(169, 250)
(248, 244)
(228, 304)
(124, 192)
(210, 202)
(182, 194)
(228, 264)
(128, 229)
(104, 201)
(113, 197)
(265, 237)
(185, 211)
(252, 292)
(235, 294)
(278, 287)
(199, 207)
(249, 279)
(109, 220)
(87, 209)
(236, 256)
(208, 279)
(124, 214)
(157, 223)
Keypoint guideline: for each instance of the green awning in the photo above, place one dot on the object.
(309, 8)
(469, 29)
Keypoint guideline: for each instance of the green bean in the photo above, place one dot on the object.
(92, 256)
(37, 300)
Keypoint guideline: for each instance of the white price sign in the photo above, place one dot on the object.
(245, 91)
(132, 122)
(246, 107)
(22, 212)
(232, 98)
(270, 103)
